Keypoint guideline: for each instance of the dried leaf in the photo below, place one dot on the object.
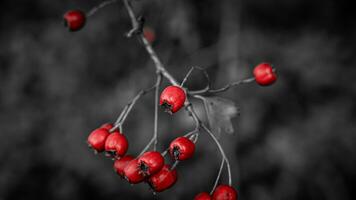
(220, 111)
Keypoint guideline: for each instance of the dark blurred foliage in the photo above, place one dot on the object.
(294, 140)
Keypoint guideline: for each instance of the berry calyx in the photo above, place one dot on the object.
(163, 180)
(264, 74)
(224, 192)
(150, 163)
(120, 164)
(172, 98)
(132, 172)
(107, 126)
(202, 196)
(97, 139)
(116, 144)
(74, 20)
(181, 148)
(149, 34)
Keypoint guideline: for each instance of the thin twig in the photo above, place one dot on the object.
(221, 151)
(223, 89)
(121, 119)
(205, 74)
(155, 129)
(218, 177)
(100, 6)
(153, 140)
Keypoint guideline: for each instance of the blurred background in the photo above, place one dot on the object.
(293, 140)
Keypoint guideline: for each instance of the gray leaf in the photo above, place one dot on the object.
(219, 112)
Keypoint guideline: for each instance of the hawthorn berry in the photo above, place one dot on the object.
(150, 163)
(181, 148)
(116, 144)
(172, 98)
(202, 196)
(264, 74)
(164, 179)
(132, 172)
(149, 34)
(224, 192)
(120, 164)
(107, 126)
(74, 20)
(97, 139)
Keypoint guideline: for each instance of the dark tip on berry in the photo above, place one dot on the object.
(143, 168)
(176, 152)
(167, 107)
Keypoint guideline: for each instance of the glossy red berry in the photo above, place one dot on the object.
(172, 98)
(97, 139)
(149, 34)
(264, 74)
(163, 180)
(107, 126)
(182, 148)
(132, 172)
(150, 163)
(74, 20)
(224, 192)
(202, 196)
(116, 144)
(120, 164)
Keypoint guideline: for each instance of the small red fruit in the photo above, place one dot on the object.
(172, 98)
(107, 126)
(264, 74)
(224, 192)
(116, 144)
(132, 172)
(150, 163)
(74, 20)
(149, 34)
(203, 196)
(163, 180)
(97, 138)
(182, 148)
(120, 164)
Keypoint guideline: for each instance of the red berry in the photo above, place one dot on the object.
(163, 180)
(107, 126)
(116, 144)
(224, 192)
(150, 163)
(203, 196)
(172, 98)
(182, 148)
(120, 164)
(74, 20)
(132, 172)
(264, 74)
(97, 138)
(149, 34)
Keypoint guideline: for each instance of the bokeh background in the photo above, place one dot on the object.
(293, 140)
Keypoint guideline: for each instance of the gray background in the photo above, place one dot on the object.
(293, 140)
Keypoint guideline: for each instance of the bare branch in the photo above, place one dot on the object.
(223, 89)
(100, 6)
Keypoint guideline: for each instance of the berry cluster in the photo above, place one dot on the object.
(150, 166)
